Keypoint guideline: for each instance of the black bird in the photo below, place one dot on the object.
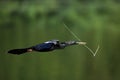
(46, 46)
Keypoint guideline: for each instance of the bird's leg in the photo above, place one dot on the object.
(29, 50)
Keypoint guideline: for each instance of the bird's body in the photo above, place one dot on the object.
(45, 47)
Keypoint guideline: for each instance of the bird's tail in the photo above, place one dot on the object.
(18, 51)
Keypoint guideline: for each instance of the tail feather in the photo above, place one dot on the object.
(17, 51)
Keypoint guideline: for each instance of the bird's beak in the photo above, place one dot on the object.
(81, 43)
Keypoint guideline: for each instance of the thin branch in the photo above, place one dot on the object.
(93, 53)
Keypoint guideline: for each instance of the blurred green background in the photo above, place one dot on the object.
(25, 23)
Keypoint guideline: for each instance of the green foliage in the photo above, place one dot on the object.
(23, 24)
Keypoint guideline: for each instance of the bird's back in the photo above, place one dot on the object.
(44, 47)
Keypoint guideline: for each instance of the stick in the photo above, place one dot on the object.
(83, 43)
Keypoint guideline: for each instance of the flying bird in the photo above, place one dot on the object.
(46, 46)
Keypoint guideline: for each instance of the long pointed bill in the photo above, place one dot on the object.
(81, 43)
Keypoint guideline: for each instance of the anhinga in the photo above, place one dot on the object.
(46, 46)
